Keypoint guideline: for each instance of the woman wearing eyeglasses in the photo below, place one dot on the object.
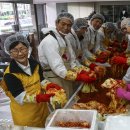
(25, 85)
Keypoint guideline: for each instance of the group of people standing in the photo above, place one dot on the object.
(67, 54)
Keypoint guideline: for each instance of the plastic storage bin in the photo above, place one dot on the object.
(117, 123)
(73, 115)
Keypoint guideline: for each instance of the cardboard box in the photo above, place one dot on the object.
(73, 115)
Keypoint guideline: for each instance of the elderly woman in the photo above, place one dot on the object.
(107, 34)
(24, 84)
(125, 60)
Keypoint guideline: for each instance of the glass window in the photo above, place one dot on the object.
(24, 15)
(107, 11)
(112, 12)
(7, 18)
(117, 11)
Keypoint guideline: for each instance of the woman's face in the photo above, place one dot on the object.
(20, 54)
(109, 31)
(124, 30)
(96, 23)
(64, 26)
(128, 29)
(81, 31)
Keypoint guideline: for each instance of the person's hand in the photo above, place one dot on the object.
(43, 97)
(128, 87)
(100, 60)
(90, 73)
(100, 71)
(53, 85)
(115, 43)
(105, 54)
(92, 66)
(119, 60)
(124, 45)
(85, 78)
(122, 93)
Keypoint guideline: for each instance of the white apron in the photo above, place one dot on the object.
(69, 86)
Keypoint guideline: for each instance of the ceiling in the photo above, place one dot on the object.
(66, 1)
(18, 1)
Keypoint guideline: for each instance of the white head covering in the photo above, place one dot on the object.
(109, 25)
(80, 23)
(98, 16)
(125, 23)
(65, 15)
(18, 37)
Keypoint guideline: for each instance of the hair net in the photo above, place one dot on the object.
(80, 23)
(14, 38)
(66, 15)
(125, 22)
(98, 16)
(109, 25)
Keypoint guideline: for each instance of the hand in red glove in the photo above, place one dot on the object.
(100, 60)
(100, 71)
(123, 54)
(128, 87)
(92, 66)
(124, 45)
(115, 44)
(52, 85)
(90, 73)
(119, 60)
(43, 97)
(105, 54)
(80, 57)
(85, 78)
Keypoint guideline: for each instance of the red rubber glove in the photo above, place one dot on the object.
(124, 45)
(85, 78)
(100, 60)
(80, 57)
(90, 73)
(43, 97)
(123, 54)
(104, 54)
(128, 87)
(121, 93)
(92, 66)
(52, 85)
(115, 44)
(64, 56)
(119, 60)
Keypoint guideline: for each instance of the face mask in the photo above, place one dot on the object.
(30, 51)
(62, 33)
(129, 37)
(92, 28)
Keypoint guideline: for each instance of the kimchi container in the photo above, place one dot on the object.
(66, 115)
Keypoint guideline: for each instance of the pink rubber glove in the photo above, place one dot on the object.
(121, 93)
